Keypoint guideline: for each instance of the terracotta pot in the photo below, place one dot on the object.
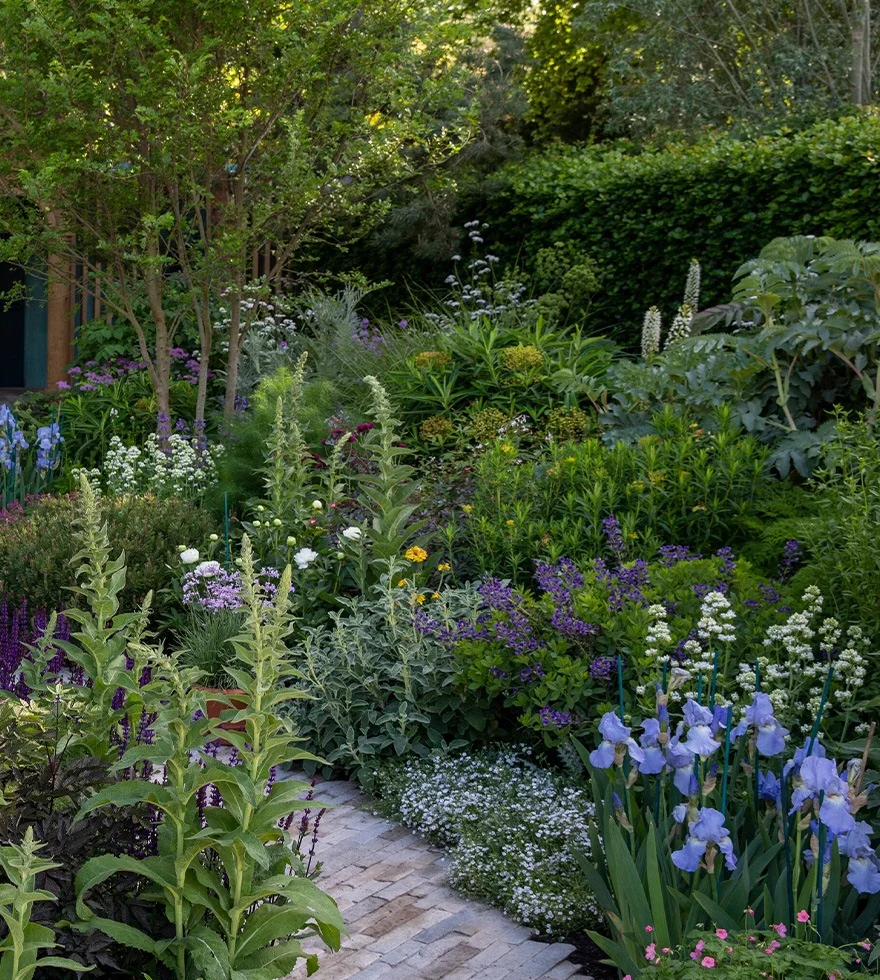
(213, 708)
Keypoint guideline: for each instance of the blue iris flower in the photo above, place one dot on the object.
(769, 787)
(707, 829)
(680, 760)
(770, 735)
(700, 738)
(615, 742)
(653, 760)
(818, 777)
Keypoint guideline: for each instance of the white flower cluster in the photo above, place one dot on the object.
(716, 619)
(651, 329)
(515, 830)
(797, 654)
(178, 470)
(658, 635)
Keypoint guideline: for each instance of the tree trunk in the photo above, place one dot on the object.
(860, 81)
(233, 356)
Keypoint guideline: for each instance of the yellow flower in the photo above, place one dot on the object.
(467, 508)
(415, 554)
(444, 567)
(420, 598)
(435, 595)
(401, 584)
(699, 507)
(570, 459)
(507, 448)
(510, 523)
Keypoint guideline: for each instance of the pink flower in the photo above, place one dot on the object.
(707, 962)
(750, 911)
(865, 944)
(802, 916)
(780, 929)
(721, 933)
(771, 949)
(753, 939)
(651, 952)
(695, 955)
(649, 928)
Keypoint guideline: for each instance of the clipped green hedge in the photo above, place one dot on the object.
(645, 214)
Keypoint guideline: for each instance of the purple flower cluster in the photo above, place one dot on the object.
(792, 556)
(93, 376)
(614, 536)
(49, 441)
(624, 583)
(17, 631)
(557, 719)
(209, 586)
(368, 336)
(558, 581)
(672, 554)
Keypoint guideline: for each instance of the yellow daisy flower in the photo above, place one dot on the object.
(415, 554)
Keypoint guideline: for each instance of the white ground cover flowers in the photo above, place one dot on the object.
(514, 830)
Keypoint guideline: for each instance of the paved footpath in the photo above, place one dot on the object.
(403, 922)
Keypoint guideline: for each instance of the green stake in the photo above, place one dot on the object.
(226, 525)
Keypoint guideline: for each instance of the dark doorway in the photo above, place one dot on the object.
(11, 330)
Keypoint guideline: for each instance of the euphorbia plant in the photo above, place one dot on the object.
(231, 887)
(701, 820)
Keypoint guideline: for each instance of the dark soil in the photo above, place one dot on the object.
(586, 953)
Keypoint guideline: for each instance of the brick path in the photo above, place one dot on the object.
(402, 920)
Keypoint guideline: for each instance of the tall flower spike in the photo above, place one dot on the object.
(681, 325)
(692, 286)
(651, 329)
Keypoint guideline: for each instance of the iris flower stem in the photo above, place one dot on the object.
(726, 761)
(820, 869)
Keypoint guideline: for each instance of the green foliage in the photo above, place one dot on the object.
(645, 215)
(679, 484)
(205, 644)
(497, 365)
(235, 890)
(744, 955)
(20, 949)
(36, 549)
(379, 685)
(842, 534)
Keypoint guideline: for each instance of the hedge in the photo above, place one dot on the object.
(645, 214)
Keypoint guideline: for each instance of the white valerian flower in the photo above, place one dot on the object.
(190, 556)
(317, 505)
(716, 619)
(304, 557)
(353, 533)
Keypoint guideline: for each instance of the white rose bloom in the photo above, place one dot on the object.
(353, 533)
(190, 556)
(304, 557)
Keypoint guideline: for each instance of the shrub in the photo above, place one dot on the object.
(379, 685)
(36, 548)
(644, 215)
(680, 484)
(515, 830)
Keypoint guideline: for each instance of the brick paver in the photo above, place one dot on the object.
(403, 922)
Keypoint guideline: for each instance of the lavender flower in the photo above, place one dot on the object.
(558, 719)
(614, 536)
(791, 558)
